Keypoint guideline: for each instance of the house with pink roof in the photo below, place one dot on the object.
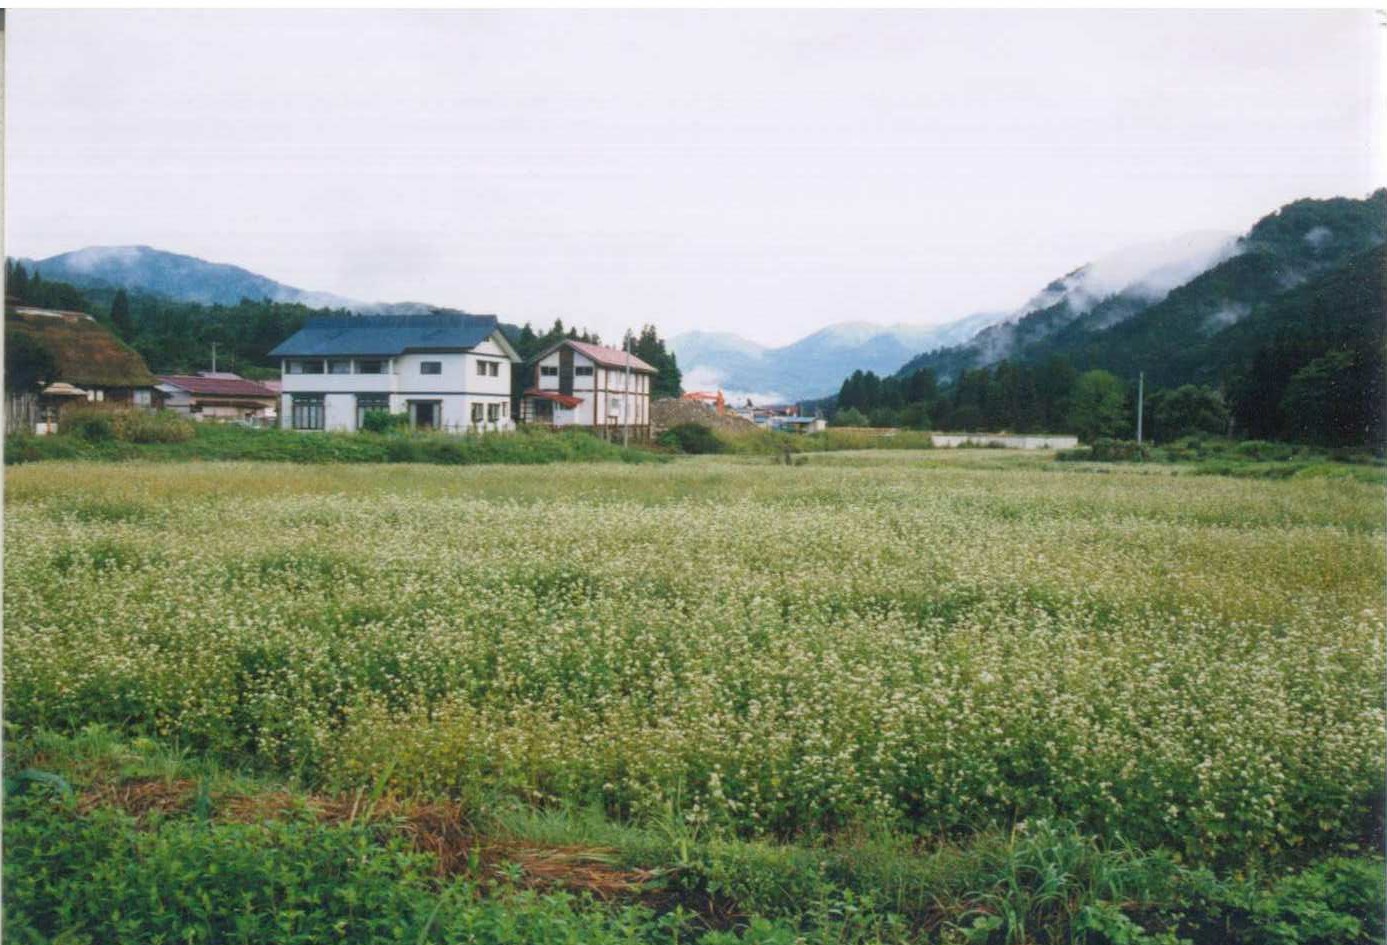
(579, 384)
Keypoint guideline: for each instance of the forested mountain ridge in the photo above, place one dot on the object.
(1127, 331)
(1312, 363)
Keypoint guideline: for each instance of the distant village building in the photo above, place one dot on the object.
(210, 395)
(709, 398)
(76, 361)
(782, 418)
(586, 385)
(795, 424)
(447, 371)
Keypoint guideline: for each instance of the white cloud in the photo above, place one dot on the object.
(764, 172)
(710, 379)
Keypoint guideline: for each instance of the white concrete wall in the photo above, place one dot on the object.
(339, 412)
(485, 384)
(177, 400)
(1017, 442)
(552, 361)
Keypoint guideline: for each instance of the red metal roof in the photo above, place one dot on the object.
(219, 386)
(609, 357)
(563, 400)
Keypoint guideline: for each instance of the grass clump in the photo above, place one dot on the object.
(691, 438)
(152, 426)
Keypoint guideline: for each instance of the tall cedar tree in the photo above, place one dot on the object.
(120, 315)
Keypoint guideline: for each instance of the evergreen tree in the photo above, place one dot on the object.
(651, 348)
(1186, 411)
(120, 315)
(1335, 400)
(17, 283)
(28, 363)
(1099, 406)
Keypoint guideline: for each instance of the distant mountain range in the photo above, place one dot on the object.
(189, 279)
(814, 365)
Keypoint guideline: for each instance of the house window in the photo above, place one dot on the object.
(365, 402)
(582, 372)
(339, 367)
(140, 397)
(430, 367)
(548, 370)
(370, 367)
(493, 413)
(307, 411)
(476, 413)
(489, 368)
(308, 367)
(505, 408)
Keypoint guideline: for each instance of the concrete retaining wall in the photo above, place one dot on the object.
(1037, 441)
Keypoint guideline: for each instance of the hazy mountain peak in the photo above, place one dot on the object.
(1143, 270)
(144, 268)
(812, 366)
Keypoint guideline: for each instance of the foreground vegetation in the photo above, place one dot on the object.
(175, 440)
(956, 696)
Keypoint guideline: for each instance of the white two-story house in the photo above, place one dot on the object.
(580, 384)
(445, 371)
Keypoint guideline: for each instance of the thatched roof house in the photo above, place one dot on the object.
(83, 352)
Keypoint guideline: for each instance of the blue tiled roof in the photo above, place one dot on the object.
(385, 335)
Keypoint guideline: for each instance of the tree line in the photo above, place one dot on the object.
(1294, 390)
(1051, 397)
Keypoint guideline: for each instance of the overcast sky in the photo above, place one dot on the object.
(766, 173)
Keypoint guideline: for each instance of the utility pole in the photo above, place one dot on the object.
(1141, 401)
(626, 397)
(214, 357)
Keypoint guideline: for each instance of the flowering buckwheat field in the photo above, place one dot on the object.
(929, 644)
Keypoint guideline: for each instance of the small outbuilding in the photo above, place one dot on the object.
(210, 395)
